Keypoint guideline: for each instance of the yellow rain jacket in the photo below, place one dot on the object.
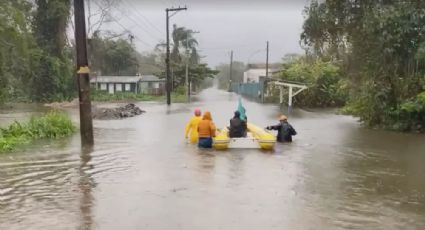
(192, 126)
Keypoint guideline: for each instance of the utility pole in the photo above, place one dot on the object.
(230, 71)
(187, 69)
(167, 59)
(267, 72)
(187, 64)
(267, 60)
(86, 122)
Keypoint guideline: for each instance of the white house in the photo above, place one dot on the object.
(145, 84)
(255, 71)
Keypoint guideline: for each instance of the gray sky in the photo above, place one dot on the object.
(224, 25)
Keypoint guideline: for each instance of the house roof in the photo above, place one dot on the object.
(151, 78)
(125, 79)
(115, 79)
(263, 66)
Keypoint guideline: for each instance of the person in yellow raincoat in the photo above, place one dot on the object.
(192, 127)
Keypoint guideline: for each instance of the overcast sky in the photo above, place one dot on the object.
(224, 25)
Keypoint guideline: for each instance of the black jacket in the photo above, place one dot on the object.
(285, 131)
(237, 127)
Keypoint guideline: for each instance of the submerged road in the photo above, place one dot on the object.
(142, 175)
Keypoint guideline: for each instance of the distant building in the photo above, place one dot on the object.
(152, 85)
(255, 71)
(145, 84)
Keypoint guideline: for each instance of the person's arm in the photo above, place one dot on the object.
(274, 127)
(213, 129)
(186, 131)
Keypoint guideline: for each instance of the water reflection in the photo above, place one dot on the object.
(86, 184)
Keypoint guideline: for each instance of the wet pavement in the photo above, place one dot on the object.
(142, 175)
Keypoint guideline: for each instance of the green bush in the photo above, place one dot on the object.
(53, 125)
(408, 116)
(326, 87)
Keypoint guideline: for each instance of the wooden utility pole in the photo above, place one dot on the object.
(83, 79)
(167, 58)
(230, 71)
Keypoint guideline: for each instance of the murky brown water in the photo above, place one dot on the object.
(141, 175)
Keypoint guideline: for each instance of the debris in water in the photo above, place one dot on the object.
(129, 110)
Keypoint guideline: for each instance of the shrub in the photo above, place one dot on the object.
(53, 125)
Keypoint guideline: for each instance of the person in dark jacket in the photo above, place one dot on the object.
(237, 126)
(285, 131)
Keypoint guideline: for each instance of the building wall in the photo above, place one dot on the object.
(152, 88)
(117, 87)
(253, 75)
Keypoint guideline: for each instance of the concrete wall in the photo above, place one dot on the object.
(253, 75)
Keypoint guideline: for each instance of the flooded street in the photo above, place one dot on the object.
(142, 175)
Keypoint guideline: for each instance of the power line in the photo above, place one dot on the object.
(135, 22)
(123, 27)
(145, 18)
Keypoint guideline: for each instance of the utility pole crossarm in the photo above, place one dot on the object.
(176, 9)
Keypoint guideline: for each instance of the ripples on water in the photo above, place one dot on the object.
(141, 175)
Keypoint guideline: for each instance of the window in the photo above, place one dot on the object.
(127, 87)
(118, 87)
(103, 86)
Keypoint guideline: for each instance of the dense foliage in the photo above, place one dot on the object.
(112, 57)
(35, 63)
(51, 125)
(326, 87)
(380, 46)
(37, 58)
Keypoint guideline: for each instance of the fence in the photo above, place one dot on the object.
(253, 91)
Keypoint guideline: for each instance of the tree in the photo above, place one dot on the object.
(113, 56)
(16, 42)
(183, 38)
(379, 46)
(52, 72)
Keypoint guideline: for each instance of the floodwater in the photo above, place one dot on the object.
(142, 175)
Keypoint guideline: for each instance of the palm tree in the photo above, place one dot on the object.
(183, 38)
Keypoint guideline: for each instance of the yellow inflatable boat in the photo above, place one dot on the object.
(255, 138)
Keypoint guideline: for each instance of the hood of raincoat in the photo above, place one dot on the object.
(207, 116)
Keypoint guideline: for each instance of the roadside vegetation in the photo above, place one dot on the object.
(379, 49)
(326, 86)
(37, 56)
(101, 96)
(52, 125)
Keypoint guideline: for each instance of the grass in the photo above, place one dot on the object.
(126, 96)
(53, 125)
